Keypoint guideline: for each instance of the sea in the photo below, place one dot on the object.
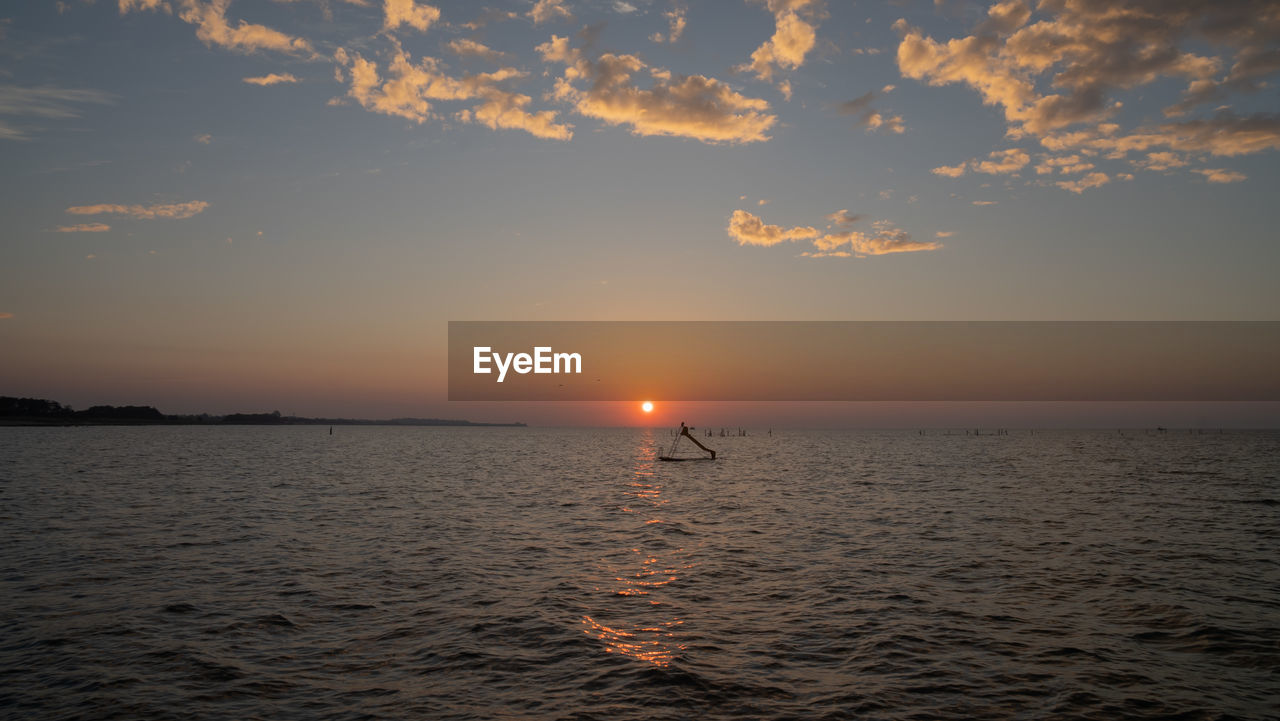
(198, 572)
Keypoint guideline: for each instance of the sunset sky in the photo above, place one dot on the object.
(238, 206)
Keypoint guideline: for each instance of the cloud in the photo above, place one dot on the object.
(1163, 160)
(174, 211)
(689, 106)
(1064, 165)
(5, 316)
(998, 162)
(844, 217)
(408, 12)
(793, 38)
(869, 118)
(944, 234)
(1221, 175)
(128, 5)
(409, 89)
(548, 10)
(44, 101)
(272, 79)
(949, 171)
(748, 229)
(1223, 134)
(984, 203)
(83, 228)
(1092, 180)
(212, 28)
(1002, 162)
(676, 23)
(203, 138)
(470, 48)
(489, 16)
(1066, 65)
(623, 8)
(885, 238)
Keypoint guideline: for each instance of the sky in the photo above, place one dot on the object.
(216, 205)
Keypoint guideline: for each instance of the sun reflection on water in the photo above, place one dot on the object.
(642, 579)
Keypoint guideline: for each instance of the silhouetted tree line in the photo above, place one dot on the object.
(41, 408)
(38, 411)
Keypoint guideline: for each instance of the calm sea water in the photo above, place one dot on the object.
(438, 573)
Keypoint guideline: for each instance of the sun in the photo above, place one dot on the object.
(647, 407)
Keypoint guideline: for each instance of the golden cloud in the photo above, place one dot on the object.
(1064, 67)
(83, 228)
(1092, 180)
(409, 88)
(749, 229)
(793, 38)
(408, 12)
(693, 106)
(1221, 175)
(272, 79)
(212, 28)
(547, 10)
(171, 211)
(885, 238)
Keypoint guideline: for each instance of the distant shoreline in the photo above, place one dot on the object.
(409, 422)
(42, 412)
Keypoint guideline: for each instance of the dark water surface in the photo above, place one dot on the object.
(436, 573)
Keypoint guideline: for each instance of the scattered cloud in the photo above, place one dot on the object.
(1221, 175)
(623, 8)
(213, 28)
(1092, 180)
(950, 171)
(408, 12)
(748, 229)
(884, 238)
(1067, 65)
(174, 211)
(1163, 160)
(1223, 134)
(793, 38)
(869, 118)
(844, 217)
(470, 48)
(1063, 165)
(548, 10)
(944, 234)
(1002, 162)
(128, 5)
(409, 89)
(689, 106)
(45, 101)
(83, 228)
(676, 22)
(489, 16)
(272, 79)
(984, 203)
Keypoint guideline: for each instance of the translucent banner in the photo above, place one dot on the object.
(864, 361)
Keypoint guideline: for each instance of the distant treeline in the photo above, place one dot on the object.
(38, 411)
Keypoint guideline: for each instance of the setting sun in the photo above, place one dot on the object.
(647, 407)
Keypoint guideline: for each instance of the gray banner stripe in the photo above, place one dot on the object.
(868, 361)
